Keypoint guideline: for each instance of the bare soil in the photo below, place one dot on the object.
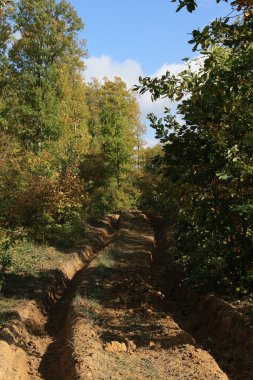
(117, 325)
(32, 329)
(114, 316)
(222, 328)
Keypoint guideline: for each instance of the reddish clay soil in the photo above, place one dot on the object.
(115, 320)
(33, 337)
(117, 325)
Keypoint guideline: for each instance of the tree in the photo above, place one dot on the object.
(72, 149)
(191, 5)
(115, 130)
(207, 162)
(47, 45)
(150, 179)
(43, 119)
(223, 30)
(5, 37)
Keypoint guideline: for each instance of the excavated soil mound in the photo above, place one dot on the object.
(31, 339)
(215, 324)
(117, 328)
(123, 313)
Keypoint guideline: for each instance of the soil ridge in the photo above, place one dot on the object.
(22, 337)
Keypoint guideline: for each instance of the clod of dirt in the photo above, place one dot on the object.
(115, 346)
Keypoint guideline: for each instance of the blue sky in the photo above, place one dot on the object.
(140, 37)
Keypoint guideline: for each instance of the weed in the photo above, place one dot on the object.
(6, 307)
(27, 257)
(6, 241)
(88, 307)
(106, 260)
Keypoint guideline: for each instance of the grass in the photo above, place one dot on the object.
(88, 307)
(106, 260)
(6, 308)
(31, 258)
(111, 257)
(86, 303)
(29, 269)
(104, 264)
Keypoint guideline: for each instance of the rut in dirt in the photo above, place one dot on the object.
(118, 327)
(111, 322)
(50, 367)
(122, 317)
(49, 343)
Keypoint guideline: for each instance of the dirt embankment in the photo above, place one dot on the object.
(26, 336)
(122, 313)
(117, 327)
(214, 323)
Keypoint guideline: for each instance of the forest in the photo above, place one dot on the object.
(72, 151)
(120, 260)
(202, 181)
(67, 147)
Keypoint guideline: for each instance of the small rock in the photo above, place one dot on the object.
(115, 346)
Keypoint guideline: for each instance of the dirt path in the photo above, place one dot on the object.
(111, 322)
(215, 324)
(118, 329)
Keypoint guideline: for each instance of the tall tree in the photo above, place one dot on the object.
(5, 38)
(43, 117)
(207, 164)
(46, 43)
(115, 130)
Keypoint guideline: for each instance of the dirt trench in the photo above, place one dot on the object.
(215, 324)
(33, 337)
(117, 327)
(110, 323)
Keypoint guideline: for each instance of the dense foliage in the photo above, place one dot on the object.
(207, 163)
(67, 148)
(71, 151)
(115, 130)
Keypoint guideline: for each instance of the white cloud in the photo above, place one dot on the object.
(151, 142)
(174, 68)
(104, 66)
(130, 71)
(156, 107)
